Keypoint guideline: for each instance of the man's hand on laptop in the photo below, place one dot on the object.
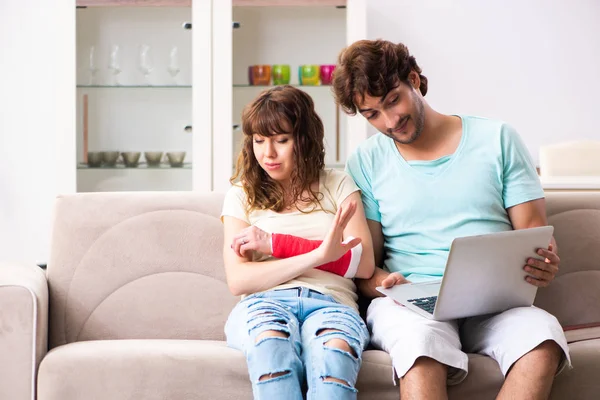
(542, 272)
(394, 278)
(380, 278)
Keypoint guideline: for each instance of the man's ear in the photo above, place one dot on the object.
(414, 79)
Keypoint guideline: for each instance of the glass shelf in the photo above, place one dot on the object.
(135, 86)
(238, 85)
(143, 165)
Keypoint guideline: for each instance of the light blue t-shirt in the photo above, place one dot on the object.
(424, 205)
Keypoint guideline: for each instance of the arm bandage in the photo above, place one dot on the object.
(286, 246)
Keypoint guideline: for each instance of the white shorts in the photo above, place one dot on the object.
(505, 337)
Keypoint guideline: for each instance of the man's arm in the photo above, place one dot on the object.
(380, 277)
(532, 214)
(377, 239)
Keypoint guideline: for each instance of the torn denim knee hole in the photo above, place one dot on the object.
(263, 307)
(350, 341)
(256, 322)
(265, 338)
(264, 326)
(346, 385)
(265, 321)
(340, 351)
(273, 376)
(268, 310)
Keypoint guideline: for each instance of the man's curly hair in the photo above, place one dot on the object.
(372, 67)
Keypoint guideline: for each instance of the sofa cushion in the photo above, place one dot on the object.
(202, 369)
(577, 234)
(574, 296)
(144, 369)
(581, 382)
(137, 266)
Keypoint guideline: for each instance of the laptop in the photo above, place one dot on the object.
(484, 274)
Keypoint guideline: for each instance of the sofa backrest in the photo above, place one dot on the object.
(574, 296)
(137, 265)
(149, 265)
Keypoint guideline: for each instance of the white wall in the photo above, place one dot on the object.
(532, 63)
(37, 118)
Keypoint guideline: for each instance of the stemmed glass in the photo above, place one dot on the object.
(145, 61)
(92, 65)
(173, 67)
(114, 64)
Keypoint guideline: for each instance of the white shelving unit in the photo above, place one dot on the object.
(134, 113)
(151, 115)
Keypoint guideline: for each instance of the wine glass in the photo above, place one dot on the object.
(114, 64)
(92, 65)
(173, 67)
(145, 61)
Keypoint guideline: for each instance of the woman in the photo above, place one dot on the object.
(289, 251)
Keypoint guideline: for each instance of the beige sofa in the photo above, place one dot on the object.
(134, 300)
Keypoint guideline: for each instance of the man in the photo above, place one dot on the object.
(426, 179)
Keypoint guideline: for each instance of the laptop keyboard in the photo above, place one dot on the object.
(425, 303)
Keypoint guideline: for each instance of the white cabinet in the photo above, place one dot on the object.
(133, 112)
(138, 69)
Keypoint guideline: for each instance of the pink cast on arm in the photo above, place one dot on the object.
(286, 246)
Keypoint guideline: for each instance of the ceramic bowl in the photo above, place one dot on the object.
(131, 158)
(153, 157)
(94, 158)
(110, 158)
(176, 158)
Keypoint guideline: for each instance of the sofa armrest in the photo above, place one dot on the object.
(23, 329)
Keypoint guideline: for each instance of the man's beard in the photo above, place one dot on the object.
(419, 122)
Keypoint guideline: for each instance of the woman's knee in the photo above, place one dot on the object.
(336, 354)
(336, 342)
(343, 346)
(273, 355)
(267, 334)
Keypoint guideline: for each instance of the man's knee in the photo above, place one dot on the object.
(548, 352)
(428, 363)
(425, 379)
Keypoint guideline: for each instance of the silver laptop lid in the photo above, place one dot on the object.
(484, 273)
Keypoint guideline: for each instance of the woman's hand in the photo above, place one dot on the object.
(332, 248)
(253, 239)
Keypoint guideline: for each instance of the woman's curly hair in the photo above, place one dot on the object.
(282, 109)
(372, 67)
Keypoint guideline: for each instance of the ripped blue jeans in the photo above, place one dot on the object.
(303, 355)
